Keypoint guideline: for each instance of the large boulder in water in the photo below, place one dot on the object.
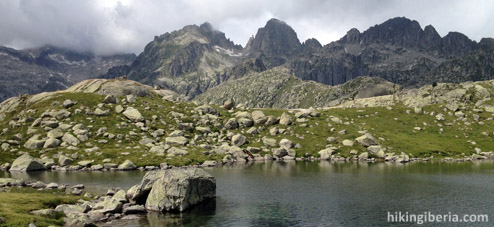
(27, 163)
(178, 189)
(139, 192)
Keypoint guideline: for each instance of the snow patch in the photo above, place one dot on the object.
(228, 52)
(63, 85)
(61, 59)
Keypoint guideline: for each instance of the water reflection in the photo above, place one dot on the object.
(317, 193)
(95, 181)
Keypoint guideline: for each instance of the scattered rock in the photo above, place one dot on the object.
(364, 156)
(259, 117)
(64, 160)
(326, 153)
(51, 143)
(347, 143)
(110, 99)
(177, 140)
(269, 141)
(70, 139)
(68, 103)
(34, 142)
(26, 163)
(228, 104)
(133, 114)
(127, 165)
(174, 151)
(134, 209)
(285, 119)
(238, 140)
(366, 140)
(285, 143)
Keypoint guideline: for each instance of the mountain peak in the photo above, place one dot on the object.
(399, 31)
(430, 38)
(352, 36)
(457, 44)
(206, 26)
(276, 40)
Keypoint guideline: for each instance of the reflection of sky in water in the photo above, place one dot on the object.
(317, 193)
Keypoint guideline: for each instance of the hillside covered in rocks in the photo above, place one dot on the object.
(278, 88)
(121, 124)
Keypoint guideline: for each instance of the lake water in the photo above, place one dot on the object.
(315, 193)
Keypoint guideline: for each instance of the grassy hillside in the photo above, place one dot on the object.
(397, 129)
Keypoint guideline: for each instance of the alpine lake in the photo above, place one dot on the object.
(319, 193)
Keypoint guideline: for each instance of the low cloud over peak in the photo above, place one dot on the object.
(119, 26)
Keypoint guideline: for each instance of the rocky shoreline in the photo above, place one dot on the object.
(129, 166)
(170, 190)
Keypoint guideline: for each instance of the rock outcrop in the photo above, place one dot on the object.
(178, 189)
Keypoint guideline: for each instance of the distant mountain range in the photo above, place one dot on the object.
(194, 59)
(49, 68)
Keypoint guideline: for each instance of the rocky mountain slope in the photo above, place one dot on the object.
(188, 61)
(122, 124)
(398, 50)
(48, 69)
(277, 88)
(196, 58)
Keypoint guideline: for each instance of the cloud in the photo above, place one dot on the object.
(118, 26)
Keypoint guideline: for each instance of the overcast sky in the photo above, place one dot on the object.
(116, 26)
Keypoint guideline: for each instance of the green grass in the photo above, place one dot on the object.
(15, 206)
(398, 135)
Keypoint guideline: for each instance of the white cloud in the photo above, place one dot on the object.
(110, 26)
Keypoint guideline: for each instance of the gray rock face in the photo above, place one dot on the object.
(178, 189)
(26, 163)
(139, 192)
(133, 114)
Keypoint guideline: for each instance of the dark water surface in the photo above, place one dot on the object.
(316, 193)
